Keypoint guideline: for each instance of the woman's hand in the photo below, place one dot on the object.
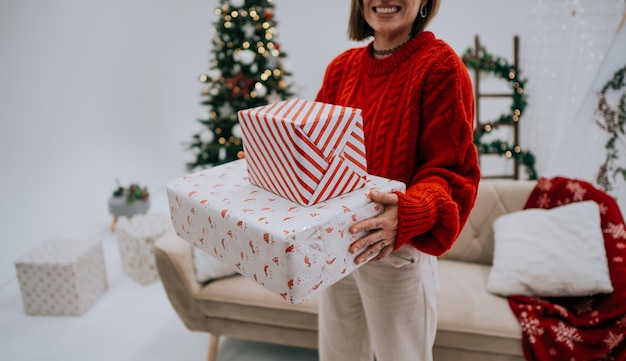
(241, 154)
(382, 230)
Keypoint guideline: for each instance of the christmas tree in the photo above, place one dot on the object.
(246, 71)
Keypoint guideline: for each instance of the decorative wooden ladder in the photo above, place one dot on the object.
(478, 94)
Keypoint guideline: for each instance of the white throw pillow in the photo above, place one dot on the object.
(554, 252)
(209, 268)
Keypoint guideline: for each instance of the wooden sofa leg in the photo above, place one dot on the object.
(213, 344)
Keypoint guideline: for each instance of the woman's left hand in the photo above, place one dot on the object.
(382, 230)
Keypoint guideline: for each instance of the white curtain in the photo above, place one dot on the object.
(574, 49)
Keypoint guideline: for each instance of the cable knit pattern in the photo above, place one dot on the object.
(418, 113)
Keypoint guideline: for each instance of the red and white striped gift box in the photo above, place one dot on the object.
(303, 150)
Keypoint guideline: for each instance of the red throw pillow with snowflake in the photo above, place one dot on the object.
(578, 328)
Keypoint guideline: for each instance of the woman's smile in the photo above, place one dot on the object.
(391, 20)
(386, 9)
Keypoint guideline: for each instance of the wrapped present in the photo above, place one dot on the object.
(62, 277)
(303, 150)
(292, 250)
(135, 239)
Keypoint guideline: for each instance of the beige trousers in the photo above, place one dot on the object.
(386, 308)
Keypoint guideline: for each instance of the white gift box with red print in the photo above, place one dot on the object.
(62, 277)
(292, 250)
(303, 150)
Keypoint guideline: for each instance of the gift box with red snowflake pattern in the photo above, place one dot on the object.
(62, 277)
(292, 250)
(303, 150)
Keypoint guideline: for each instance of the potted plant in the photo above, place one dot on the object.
(128, 201)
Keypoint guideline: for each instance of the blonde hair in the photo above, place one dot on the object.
(359, 29)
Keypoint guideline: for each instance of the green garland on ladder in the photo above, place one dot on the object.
(613, 121)
(498, 66)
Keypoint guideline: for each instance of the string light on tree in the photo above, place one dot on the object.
(246, 71)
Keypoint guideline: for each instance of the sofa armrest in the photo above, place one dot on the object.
(174, 261)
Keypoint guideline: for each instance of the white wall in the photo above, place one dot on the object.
(91, 92)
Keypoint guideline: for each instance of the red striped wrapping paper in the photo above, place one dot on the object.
(303, 150)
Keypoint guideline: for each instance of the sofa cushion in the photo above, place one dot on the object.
(470, 317)
(208, 267)
(239, 298)
(556, 252)
(495, 198)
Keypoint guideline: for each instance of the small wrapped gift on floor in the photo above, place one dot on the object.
(62, 277)
(303, 150)
(135, 238)
(292, 250)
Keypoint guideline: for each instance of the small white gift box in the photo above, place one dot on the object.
(135, 239)
(303, 150)
(292, 250)
(62, 277)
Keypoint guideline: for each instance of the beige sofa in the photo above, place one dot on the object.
(473, 323)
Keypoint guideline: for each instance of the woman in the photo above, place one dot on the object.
(418, 109)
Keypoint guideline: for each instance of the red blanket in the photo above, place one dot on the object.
(578, 328)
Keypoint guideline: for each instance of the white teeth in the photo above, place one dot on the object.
(387, 10)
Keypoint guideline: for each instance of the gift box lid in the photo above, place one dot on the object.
(227, 187)
(147, 225)
(57, 251)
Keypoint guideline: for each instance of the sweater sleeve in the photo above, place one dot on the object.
(443, 189)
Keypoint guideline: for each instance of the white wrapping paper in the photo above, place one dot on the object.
(292, 250)
(62, 277)
(135, 239)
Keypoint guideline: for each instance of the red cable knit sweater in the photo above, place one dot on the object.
(418, 113)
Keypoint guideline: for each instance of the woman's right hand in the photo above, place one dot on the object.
(241, 154)
(381, 230)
